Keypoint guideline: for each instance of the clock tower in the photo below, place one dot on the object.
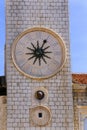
(38, 73)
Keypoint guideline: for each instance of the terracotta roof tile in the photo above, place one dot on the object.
(79, 78)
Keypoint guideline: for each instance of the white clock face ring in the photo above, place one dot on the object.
(38, 53)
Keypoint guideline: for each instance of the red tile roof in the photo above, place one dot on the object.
(79, 78)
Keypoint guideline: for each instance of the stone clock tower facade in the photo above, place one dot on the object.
(39, 84)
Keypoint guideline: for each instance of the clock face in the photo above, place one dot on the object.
(38, 53)
(40, 116)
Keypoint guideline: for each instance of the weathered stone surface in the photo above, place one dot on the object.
(20, 15)
(3, 113)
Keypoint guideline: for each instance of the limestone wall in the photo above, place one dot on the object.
(3, 113)
(80, 101)
(80, 105)
(22, 15)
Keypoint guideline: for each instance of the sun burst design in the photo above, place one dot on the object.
(39, 53)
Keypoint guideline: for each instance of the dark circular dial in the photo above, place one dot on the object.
(39, 95)
(38, 52)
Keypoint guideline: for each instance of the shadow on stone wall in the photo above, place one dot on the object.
(3, 90)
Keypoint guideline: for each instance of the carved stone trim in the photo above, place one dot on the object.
(82, 111)
(40, 116)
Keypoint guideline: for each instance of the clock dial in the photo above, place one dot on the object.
(38, 53)
(40, 116)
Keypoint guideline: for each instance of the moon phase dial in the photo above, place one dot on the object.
(39, 94)
(39, 53)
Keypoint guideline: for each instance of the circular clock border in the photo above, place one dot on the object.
(41, 108)
(44, 90)
(51, 32)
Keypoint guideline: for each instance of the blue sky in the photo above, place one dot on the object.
(78, 35)
(2, 36)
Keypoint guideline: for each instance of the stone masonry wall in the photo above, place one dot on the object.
(79, 96)
(3, 112)
(21, 15)
(80, 99)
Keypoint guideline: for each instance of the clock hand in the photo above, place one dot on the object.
(46, 48)
(35, 60)
(31, 58)
(37, 44)
(47, 52)
(30, 49)
(44, 42)
(29, 53)
(44, 59)
(33, 45)
(38, 52)
(39, 61)
(46, 56)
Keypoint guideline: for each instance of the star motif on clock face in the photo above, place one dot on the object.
(39, 53)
